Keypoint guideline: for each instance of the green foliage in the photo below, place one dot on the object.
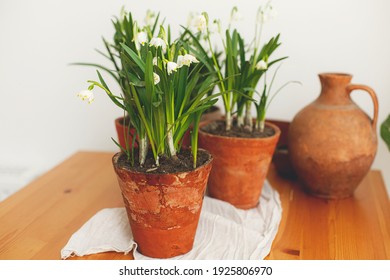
(385, 131)
(239, 69)
(124, 33)
(162, 89)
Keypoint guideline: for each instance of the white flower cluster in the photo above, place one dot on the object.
(186, 60)
(197, 22)
(182, 60)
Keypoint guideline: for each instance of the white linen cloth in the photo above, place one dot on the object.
(224, 232)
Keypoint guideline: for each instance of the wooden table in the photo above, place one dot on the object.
(37, 221)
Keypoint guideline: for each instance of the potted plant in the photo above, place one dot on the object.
(242, 147)
(162, 185)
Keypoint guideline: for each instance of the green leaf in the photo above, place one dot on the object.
(109, 93)
(120, 147)
(194, 137)
(149, 79)
(385, 131)
(110, 54)
(134, 56)
(155, 24)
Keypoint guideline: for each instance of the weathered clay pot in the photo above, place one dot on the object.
(163, 209)
(332, 142)
(240, 166)
(124, 133)
(213, 114)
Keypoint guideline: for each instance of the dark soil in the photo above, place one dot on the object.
(182, 163)
(218, 128)
(211, 109)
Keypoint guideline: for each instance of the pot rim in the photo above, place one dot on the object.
(335, 74)
(267, 123)
(119, 119)
(118, 154)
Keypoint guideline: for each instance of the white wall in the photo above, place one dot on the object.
(42, 122)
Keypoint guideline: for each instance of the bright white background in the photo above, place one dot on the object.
(42, 122)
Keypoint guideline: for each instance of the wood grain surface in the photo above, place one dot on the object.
(37, 221)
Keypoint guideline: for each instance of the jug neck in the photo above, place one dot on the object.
(333, 88)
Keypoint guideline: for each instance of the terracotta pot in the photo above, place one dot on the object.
(122, 131)
(163, 209)
(213, 114)
(240, 166)
(332, 142)
(281, 157)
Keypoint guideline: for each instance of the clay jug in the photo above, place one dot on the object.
(332, 142)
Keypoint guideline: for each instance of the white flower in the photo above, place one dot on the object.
(200, 23)
(216, 26)
(266, 13)
(191, 58)
(155, 61)
(156, 78)
(149, 18)
(261, 65)
(142, 38)
(186, 60)
(190, 19)
(235, 15)
(86, 95)
(171, 66)
(158, 42)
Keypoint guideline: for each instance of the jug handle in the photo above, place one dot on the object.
(370, 91)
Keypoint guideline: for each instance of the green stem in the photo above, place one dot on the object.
(171, 145)
(248, 115)
(225, 98)
(261, 125)
(228, 121)
(143, 149)
(240, 120)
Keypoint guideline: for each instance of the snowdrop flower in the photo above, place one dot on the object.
(158, 42)
(86, 95)
(142, 38)
(190, 19)
(186, 60)
(261, 65)
(216, 26)
(155, 61)
(266, 13)
(200, 23)
(123, 12)
(149, 18)
(171, 66)
(235, 15)
(180, 61)
(156, 78)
